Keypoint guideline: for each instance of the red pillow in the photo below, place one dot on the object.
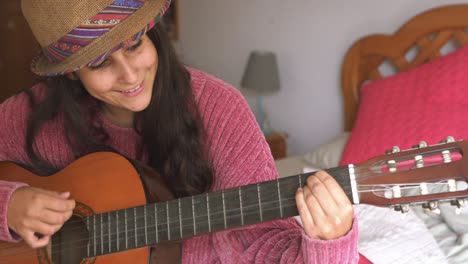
(429, 102)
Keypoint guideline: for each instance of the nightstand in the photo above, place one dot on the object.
(278, 144)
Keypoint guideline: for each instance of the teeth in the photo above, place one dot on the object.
(132, 90)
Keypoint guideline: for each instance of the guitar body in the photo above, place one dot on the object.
(99, 182)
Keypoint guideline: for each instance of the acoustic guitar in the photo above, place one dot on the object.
(113, 223)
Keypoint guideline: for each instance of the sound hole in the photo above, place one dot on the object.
(70, 243)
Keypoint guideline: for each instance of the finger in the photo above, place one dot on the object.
(54, 217)
(34, 242)
(321, 193)
(40, 242)
(335, 190)
(52, 200)
(59, 205)
(315, 208)
(344, 209)
(302, 208)
(45, 229)
(64, 195)
(305, 215)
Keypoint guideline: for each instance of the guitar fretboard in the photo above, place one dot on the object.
(190, 216)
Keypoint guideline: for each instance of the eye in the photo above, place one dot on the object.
(134, 47)
(106, 61)
(99, 66)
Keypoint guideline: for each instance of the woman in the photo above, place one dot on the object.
(114, 83)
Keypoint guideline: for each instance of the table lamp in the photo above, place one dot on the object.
(261, 78)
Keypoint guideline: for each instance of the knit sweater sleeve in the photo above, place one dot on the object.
(6, 190)
(240, 156)
(13, 116)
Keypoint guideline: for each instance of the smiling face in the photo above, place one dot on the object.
(124, 81)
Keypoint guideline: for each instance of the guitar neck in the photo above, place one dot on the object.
(190, 216)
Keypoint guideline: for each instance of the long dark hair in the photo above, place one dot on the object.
(170, 126)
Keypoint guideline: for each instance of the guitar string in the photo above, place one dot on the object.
(218, 194)
(133, 230)
(105, 243)
(270, 194)
(342, 169)
(330, 171)
(219, 210)
(360, 176)
(177, 221)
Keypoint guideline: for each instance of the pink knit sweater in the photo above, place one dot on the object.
(239, 155)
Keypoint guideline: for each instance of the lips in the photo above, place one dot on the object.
(131, 90)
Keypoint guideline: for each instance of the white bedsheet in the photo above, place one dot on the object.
(387, 236)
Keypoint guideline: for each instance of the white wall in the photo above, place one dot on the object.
(310, 38)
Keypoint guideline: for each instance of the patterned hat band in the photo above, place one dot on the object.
(92, 29)
(137, 36)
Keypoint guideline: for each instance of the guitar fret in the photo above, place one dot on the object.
(240, 206)
(224, 210)
(117, 229)
(156, 223)
(126, 229)
(146, 225)
(135, 225)
(168, 222)
(288, 187)
(102, 235)
(200, 212)
(88, 248)
(250, 204)
(231, 213)
(193, 216)
(94, 234)
(180, 218)
(208, 212)
(259, 202)
(279, 198)
(109, 231)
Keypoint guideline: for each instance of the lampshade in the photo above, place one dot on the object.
(261, 74)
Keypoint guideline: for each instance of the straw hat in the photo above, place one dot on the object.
(76, 33)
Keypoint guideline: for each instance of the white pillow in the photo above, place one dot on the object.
(328, 155)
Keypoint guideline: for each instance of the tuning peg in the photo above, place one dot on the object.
(419, 161)
(446, 156)
(422, 144)
(432, 207)
(449, 139)
(459, 203)
(403, 208)
(423, 188)
(395, 149)
(452, 185)
(392, 166)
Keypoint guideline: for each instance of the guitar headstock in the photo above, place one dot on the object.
(424, 175)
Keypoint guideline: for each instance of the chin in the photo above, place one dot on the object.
(139, 107)
(142, 104)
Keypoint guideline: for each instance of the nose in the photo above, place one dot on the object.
(127, 71)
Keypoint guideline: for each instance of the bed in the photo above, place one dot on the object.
(399, 89)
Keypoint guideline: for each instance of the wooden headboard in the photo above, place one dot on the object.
(425, 34)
